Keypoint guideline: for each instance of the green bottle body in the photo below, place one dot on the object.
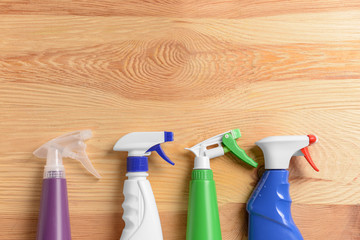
(203, 222)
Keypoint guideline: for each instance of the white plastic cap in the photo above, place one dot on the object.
(138, 143)
(203, 155)
(278, 150)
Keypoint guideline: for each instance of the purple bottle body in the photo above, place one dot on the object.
(54, 220)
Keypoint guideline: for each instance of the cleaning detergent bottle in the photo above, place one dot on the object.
(203, 221)
(141, 216)
(54, 221)
(269, 206)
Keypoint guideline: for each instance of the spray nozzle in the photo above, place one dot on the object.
(139, 145)
(218, 146)
(278, 150)
(70, 145)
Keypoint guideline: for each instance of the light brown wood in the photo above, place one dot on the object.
(197, 68)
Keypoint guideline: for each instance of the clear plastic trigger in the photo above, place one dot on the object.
(77, 150)
(85, 161)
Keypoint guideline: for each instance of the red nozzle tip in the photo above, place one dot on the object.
(312, 139)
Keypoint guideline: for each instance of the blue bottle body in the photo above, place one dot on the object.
(269, 209)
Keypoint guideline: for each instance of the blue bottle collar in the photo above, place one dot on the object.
(137, 164)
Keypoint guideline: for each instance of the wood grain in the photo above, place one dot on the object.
(197, 68)
(175, 8)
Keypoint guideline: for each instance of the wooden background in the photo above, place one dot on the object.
(197, 68)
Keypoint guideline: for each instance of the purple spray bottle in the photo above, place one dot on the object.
(54, 221)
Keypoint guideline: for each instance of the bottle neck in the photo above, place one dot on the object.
(54, 174)
(202, 174)
(137, 164)
(277, 170)
(202, 162)
(54, 167)
(276, 176)
(137, 175)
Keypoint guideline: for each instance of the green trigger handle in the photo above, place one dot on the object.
(230, 145)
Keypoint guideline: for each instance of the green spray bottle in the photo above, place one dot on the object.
(203, 221)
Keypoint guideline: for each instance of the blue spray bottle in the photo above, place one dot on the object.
(269, 206)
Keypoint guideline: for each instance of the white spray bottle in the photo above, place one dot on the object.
(141, 215)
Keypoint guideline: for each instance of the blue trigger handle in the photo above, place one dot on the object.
(157, 148)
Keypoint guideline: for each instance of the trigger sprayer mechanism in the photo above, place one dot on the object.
(278, 150)
(70, 145)
(224, 143)
(139, 146)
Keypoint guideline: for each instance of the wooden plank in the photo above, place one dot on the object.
(76, 33)
(175, 8)
(193, 67)
(233, 217)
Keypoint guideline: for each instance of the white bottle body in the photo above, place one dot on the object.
(141, 215)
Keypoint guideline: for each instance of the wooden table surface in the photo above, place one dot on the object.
(197, 68)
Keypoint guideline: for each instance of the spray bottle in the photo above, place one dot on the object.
(269, 206)
(141, 215)
(203, 215)
(54, 221)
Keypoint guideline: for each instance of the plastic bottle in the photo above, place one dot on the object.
(203, 221)
(269, 206)
(141, 216)
(54, 221)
